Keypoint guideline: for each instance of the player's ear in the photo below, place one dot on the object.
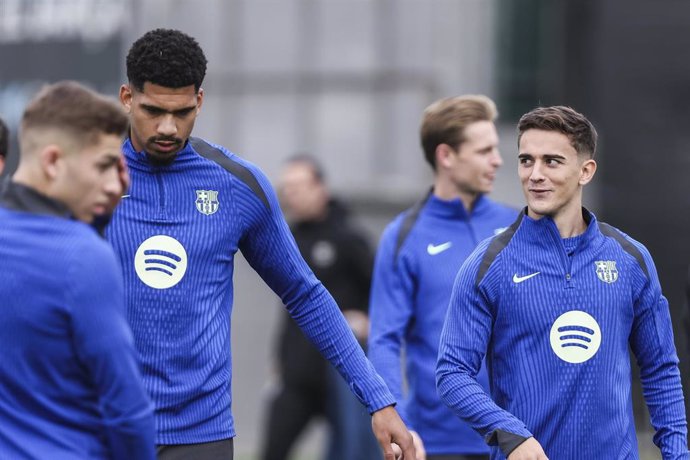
(199, 100)
(587, 170)
(443, 156)
(51, 160)
(126, 97)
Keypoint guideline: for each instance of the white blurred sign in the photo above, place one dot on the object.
(49, 20)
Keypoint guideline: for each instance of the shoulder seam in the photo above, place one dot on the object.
(612, 232)
(244, 174)
(407, 225)
(498, 243)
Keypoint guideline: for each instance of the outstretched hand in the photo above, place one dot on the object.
(389, 429)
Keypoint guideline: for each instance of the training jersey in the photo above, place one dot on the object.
(176, 233)
(70, 386)
(555, 318)
(417, 260)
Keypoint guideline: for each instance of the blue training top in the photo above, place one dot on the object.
(555, 318)
(70, 386)
(418, 258)
(176, 235)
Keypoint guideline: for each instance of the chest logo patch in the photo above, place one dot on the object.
(160, 262)
(575, 336)
(606, 270)
(434, 249)
(207, 201)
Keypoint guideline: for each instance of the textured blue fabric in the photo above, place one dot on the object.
(410, 293)
(70, 386)
(508, 298)
(203, 214)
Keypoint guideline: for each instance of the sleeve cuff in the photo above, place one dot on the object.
(505, 440)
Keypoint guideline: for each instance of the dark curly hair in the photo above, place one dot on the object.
(168, 58)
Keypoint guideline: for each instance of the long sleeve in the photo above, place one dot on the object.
(271, 250)
(467, 330)
(652, 343)
(103, 343)
(391, 311)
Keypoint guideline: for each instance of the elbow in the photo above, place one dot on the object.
(446, 376)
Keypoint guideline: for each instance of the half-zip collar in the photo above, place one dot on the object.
(455, 209)
(20, 197)
(139, 159)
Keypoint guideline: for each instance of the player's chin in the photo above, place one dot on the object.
(86, 217)
(162, 157)
(540, 208)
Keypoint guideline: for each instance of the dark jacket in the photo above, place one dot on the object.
(342, 259)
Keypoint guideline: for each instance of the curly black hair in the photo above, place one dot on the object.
(166, 57)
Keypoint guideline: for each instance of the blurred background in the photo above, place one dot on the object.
(347, 80)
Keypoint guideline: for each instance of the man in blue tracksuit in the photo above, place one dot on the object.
(418, 257)
(554, 303)
(70, 386)
(191, 206)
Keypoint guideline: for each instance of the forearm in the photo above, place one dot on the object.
(468, 400)
(664, 396)
(322, 322)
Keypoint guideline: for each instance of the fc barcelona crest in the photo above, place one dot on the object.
(606, 270)
(207, 201)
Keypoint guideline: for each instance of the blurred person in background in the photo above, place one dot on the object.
(70, 385)
(191, 206)
(4, 144)
(555, 303)
(418, 257)
(342, 260)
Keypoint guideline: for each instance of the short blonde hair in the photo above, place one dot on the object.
(445, 120)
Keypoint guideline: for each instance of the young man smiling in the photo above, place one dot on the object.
(554, 303)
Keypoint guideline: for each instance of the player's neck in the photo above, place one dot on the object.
(569, 221)
(448, 192)
(31, 178)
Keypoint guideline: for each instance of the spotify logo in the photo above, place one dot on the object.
(575, 336)
(160, 262)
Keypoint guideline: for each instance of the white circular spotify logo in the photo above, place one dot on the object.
(160, 262)
(575, 336)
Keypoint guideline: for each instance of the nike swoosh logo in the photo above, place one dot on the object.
(437, 249)
(520, 279)
(125, 196)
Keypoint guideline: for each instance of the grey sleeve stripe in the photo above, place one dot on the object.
(496, 246)
(627, 246)
(408, 223)
(241, 172)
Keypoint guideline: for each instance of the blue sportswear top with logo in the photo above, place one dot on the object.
(555, 318)
(70, 386)
(418, 257)
(176, 234)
